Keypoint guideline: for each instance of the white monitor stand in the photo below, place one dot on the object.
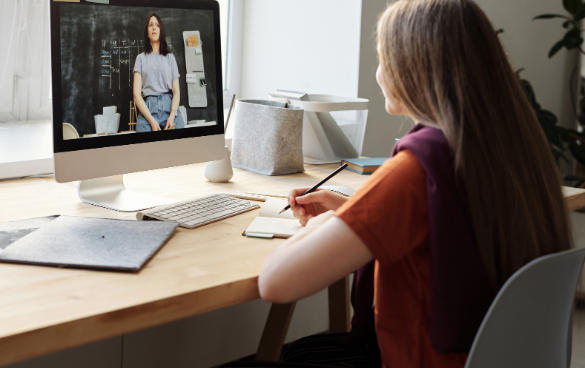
(111, 193)
(108, 189)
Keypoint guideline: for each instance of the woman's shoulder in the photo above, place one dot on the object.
(404, 167)
(170, 56)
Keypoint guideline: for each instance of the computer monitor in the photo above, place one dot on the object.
(113, 92)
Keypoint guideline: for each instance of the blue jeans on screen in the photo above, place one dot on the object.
(160, 108)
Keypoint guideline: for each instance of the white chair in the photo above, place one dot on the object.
(529, 324)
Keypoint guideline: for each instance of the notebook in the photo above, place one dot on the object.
(269, 224)
(364, 166)
(87, 242)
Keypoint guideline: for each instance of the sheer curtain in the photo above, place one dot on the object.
(25, 63)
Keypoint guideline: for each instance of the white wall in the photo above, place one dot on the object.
(303, 45)
(527, 43)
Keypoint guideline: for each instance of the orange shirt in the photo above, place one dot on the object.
(390, 215)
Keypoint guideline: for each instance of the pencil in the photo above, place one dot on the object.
(318, 185)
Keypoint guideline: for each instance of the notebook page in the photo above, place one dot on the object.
(273, 206)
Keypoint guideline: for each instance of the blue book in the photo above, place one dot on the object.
(364, 166)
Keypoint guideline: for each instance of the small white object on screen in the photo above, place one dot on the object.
(109, 110)
(107, 123)
(192, 78)
(333, 127)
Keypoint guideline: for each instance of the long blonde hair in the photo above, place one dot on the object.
(447, 67)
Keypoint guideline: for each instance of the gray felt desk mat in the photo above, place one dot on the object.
(87, 242)
(11, 231)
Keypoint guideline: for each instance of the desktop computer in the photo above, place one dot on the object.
(136, 86)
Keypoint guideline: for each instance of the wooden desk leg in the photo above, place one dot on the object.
(275, 332)
(339, 312)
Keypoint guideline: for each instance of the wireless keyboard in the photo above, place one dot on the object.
(198, 211)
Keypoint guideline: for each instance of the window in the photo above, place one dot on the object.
(231, 13)
(25, 81)
(25, 66)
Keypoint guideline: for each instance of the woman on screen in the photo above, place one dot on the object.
(470, 195)
(156, 82)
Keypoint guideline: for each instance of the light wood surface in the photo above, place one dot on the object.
(574, 197)
(45, 309)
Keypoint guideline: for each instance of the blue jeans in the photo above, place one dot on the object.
(160, 108)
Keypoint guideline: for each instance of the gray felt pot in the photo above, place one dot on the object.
(268, 137)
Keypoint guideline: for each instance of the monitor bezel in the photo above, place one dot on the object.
(61, 145)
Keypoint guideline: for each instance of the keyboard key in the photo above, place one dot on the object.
(202, 210)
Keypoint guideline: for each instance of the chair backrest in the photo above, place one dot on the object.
(529, 322)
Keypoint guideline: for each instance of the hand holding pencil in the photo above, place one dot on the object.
(307, 203)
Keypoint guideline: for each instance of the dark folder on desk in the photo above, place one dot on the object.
(86, 242)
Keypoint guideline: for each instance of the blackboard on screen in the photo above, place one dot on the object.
(99, 46)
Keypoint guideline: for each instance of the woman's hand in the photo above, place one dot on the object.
(170, 122)
(154, 125)
(313, 204)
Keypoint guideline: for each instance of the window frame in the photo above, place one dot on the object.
(233, 69)
(34, 91)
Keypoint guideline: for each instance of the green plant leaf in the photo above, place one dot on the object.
(564, 134)
(529, 91)
(581, 14)
(558, 155)
(576, 180)
(556, 47)
(572, 6)
(578, 151)
(573, 33)
(573, 178)
(547, 122)
(550, 16)
(574, 43)
(549, 116)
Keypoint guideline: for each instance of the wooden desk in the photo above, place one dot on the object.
(574, 197)
(44, 309)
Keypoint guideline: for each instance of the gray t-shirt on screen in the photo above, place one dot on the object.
(158, 73)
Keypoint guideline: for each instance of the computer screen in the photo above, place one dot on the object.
(102, 47)
(136, 85)
(122, 68)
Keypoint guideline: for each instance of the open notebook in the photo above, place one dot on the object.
(269, 224)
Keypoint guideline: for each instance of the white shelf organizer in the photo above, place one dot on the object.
(333, 127)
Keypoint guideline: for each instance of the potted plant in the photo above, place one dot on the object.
(563, 139)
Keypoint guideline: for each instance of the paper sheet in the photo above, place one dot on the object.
(273, 206)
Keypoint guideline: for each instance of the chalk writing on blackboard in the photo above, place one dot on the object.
(120, 53)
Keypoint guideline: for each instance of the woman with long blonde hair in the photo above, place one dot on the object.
(470, 195)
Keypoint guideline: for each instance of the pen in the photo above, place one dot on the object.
(317, 185)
